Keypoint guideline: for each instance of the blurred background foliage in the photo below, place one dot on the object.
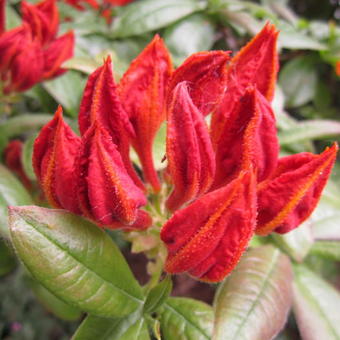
(306, 104)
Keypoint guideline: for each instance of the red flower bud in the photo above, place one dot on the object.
(189, 151)
(256, 64)
(106, 192)
(60, 50)
(248, 137)
(289, 196)
(54, 155)
(43, 19)
(205, 73)
(101, 104)
(142, 91)
(208, 237)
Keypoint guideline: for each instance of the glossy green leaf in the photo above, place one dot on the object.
(77, 261)
(325, 219)
(12, 18)
(327, 249)
(158, 295)
(12, 192)
(132, 327)
(316, 306)
(193, 34)
(67, 90)
(297, 242)
(22, 124)
(298, 80)
(7, 259)
(52, 303)
(253, 302)
(148, 15)
(313, 129)
(186, 319)
(299, 41)
(26, 157)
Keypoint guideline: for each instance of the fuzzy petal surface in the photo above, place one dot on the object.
(142, 91)
(189, 151)
(208, 237)
(290, 195)
(54, 155)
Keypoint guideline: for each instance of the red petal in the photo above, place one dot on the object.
(142, 91)
(208, 237)
(102, 105)
(56, 54)
(205, 73)
(256, 64)
(54, 155)
(248, 137)
(189, 151)
(43, 19)
(106, 192)
(2, 16)
(293, 191)
(26, 67)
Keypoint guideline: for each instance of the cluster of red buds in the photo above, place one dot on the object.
(227, 181)
(32, 52)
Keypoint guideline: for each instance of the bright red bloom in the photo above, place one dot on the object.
(54, 155)
(101, 104)
(249, 137)
(31, 52)
(207, 238)
(12, 158)
(106, 192)
(290, 194)
(256, 64)
(142, 92)
(43, 19)
(190, 154)
(205, 73)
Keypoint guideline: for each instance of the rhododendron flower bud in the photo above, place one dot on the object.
(101, 104)
(43, 18)
(255, 64)
(142, 92)
(54, 155)
(12, 158)
(60, 50)
(290, 194)
(106, 192)
(207, 238)
(205, 73)
(249, 137)
(190, 154)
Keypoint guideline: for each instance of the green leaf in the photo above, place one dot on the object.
(253, 302)
(299, 41)
(298, 80)
(22, 124)
(26, 157)
(158, 295)
(12, 18)
(325, 218)
(52, 303)
(133, 327)
(67, 91)
(316, 306)
(7, 260)
(193, 34)
(186, 319)
(310, 129)
(296, 243)
(12, 192)
(77, 261)
(327, 249)
(149, 15)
